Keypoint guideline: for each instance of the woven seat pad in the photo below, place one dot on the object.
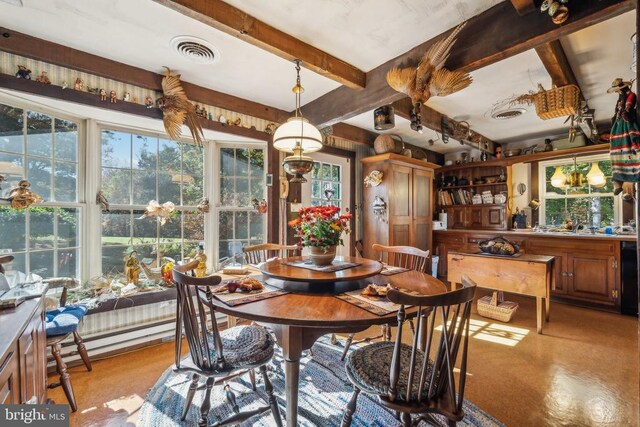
(244, 345)
(368, 368)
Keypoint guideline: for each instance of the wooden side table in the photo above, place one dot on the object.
(525, 274)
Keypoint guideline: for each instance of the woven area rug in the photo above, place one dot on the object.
(324, 393)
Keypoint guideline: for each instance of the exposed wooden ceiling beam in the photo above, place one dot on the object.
(556, 63)
(53, 53)
(489, 37)
(524, 7)
(354, 133)
(233, 21)
(433, 120)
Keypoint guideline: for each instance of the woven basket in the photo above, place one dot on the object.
(494, 307)
(557, 102)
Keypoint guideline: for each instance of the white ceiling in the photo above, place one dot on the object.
(138, 33)
(363, 33)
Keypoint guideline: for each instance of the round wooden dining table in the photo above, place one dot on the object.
(298, 319)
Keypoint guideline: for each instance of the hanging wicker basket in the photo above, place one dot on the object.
(556, 102)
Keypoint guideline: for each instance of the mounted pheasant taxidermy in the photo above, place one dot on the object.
(177, 110)
(430, 78)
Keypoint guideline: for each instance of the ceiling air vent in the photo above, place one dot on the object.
(508, 114)
(195, 49)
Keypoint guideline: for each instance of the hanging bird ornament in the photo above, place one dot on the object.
(160, 211)
(177, 110)
(102, 201)
(430, 78)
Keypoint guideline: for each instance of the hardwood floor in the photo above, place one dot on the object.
(583, 371)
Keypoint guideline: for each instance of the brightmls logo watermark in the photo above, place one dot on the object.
(34, 415)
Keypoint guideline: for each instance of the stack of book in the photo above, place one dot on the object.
(454, 197)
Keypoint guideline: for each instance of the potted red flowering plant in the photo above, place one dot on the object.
(320, 228)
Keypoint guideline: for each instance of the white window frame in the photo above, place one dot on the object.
(617, 206)
(80, 203)
(98, 177)
(217, 207)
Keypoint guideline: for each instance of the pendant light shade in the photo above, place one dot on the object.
(296, 136)
(558, 180)
(595, 177)
(297, 130)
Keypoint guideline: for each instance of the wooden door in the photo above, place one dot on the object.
(400, 206)
(9, 379)
(32, 350)
(592, 277)
(422, 209)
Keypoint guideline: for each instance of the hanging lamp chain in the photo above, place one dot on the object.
(298, 89)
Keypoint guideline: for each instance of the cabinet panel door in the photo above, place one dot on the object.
(400, 194)
(560, 266)
(422, 211)
(457, 217)
(400, 235)
(9, 379)
(591, 277)
(475, 216)
(494, 218)
(28, 365)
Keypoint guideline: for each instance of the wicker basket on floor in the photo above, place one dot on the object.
(494, 307)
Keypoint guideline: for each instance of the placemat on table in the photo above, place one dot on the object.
(390, 270)
(335, 266)
(380, 306)
(239, 298)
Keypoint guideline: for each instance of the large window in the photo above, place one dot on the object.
(241, 180)
(591, 206)
(135, 170)
(45, 238)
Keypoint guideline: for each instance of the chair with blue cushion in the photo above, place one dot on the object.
(62, 322)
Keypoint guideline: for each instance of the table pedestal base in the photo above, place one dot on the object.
(293, 340)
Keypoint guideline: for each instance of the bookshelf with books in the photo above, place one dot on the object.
(474, 196)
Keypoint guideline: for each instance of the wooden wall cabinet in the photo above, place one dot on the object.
(23, 356)
(586, 271)
(482, 216)
(406, 189)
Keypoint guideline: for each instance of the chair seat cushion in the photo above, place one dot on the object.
(244, 346)
(64, 320)
(368, 369)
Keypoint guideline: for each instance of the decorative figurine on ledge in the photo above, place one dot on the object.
(201, 268)
(22, 197)
(148, 101)
(65, 84)
(260, 205)
(126, 97)
(101, 199)
(132, 268)
(201, 111)
(43, 78)
(103, 95)
(93, 90)
(271, 127)
(203, 205)
(23, 73)
(79, 84)
(113, 98)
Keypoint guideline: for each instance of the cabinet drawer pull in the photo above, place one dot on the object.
(570, 274)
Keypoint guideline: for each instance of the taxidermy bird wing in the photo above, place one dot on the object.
(403, 80)
(444, 82)
(177, 110)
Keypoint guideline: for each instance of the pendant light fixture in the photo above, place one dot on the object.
(575, 179)
(296, 136)
(595, 177)
(558, 179)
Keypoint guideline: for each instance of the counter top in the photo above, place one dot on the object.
(528, 233)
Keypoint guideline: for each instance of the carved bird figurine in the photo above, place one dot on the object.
(177, 110)
(161, 211)
(102, 201)
(430, 78)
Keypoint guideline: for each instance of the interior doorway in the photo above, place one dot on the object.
(329, 183)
